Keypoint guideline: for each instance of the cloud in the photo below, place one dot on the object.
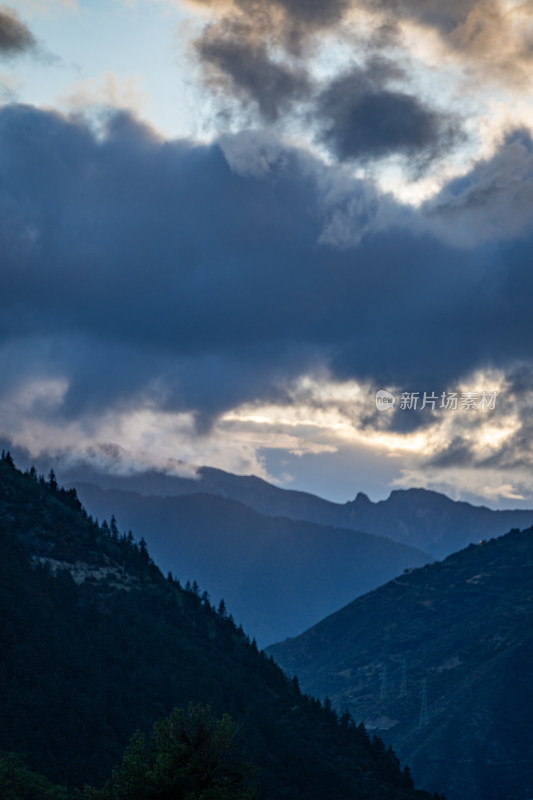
(494, 37)
(429, 13)
(308, 68)
(9, 88)
(288, 23)
(361, 118)
(487, 449)
(15, 37)
(242, 66)
(144, 273)
(268, 57)
(106, 91)
(497, 37)
(492, 34)
(493, 200)
(313, 15)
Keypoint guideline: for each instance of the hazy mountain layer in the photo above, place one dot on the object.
(420, 518)
(277, 576)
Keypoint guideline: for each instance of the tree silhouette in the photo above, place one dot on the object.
(189, 758)
(52, 480)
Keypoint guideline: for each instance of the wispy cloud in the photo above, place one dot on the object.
(107, 91)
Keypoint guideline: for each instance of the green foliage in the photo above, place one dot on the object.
(7, 459)
(18, 782)
(189, 758)
(52, 481)
(52, 523)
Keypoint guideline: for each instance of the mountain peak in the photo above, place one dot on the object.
(362, 499)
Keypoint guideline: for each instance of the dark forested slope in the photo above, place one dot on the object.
(95, 643)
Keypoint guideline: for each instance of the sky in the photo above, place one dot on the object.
(228, 227)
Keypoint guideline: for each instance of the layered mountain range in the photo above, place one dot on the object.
(282, 560)
(426, 520)
(276, 575)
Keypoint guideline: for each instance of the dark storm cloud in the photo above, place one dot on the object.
(147, 272)
(287, 23)
(356, 115)
(306, 17)
(457, 454)
(512, 454)
(360, 118)
(15, 36)
(489, 37)
(244, 67)
(261, 54)
(444, 17)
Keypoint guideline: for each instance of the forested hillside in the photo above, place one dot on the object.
(95, 643)
(438, 662)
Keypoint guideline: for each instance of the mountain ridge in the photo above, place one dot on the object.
(437, 661)
(276, 574)
(421, 518)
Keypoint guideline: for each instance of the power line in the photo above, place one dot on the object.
(383, 689)
(403, 683)
(424, 715)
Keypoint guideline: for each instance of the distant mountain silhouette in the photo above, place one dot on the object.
(438, 661)
(423, 519)
(276, 575)
(432, 521)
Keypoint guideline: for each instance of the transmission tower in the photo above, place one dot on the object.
(383, 688)
(403, 683)
(424, 715)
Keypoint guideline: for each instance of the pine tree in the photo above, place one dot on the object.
(7, 458)
(346, 719)
(52, 481)
(114, 528)
(190, 756)
(143, 549)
